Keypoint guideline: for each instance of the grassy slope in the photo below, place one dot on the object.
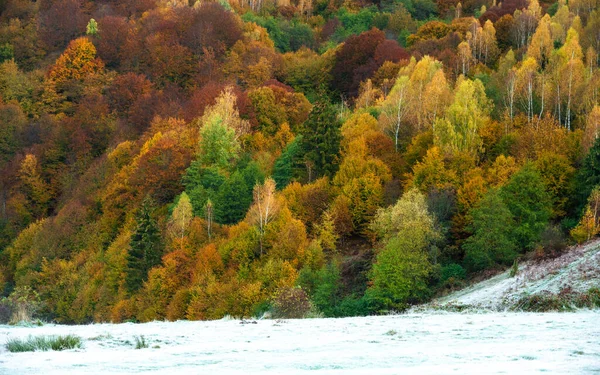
(577, 269)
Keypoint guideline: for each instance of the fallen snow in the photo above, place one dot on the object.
(577, 269)
(442, 343)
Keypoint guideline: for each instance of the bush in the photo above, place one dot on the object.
(353, 306)
(140, 342)
(452, 274)
(565, 300)
(44, 343)
(552, 242)
(124, 310)
(291, 303)
(21, 306)
(541, 302)
(5, 311)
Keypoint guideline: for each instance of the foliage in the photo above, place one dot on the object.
(145, 248)
(291, 303)
(44, 343)
(529, 203)
(140, 342)
(287, 165)
(321, 141)
(493, 229)
(399, 274)
(162, 161)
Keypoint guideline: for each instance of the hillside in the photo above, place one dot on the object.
(576, 271)
(192, 159)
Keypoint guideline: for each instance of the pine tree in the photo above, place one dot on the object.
(588, 177)
(492, 228)
(321, 141)
(530, 204)
(145, 248)
(285, 166)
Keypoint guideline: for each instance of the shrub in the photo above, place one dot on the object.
(565, 300)
(140, 342)
(44, 343)
(353, 306)
(5, 311)
(541, 302)
(21, 306)
(291, 303)
(552, 242)
(124, 310)
(179, 304)
(452, 274)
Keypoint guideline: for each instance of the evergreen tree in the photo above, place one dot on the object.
(321, 141)
(492, 240)
(233, 200)
(202, 184)
(530, 204)
(286, 165)
(145, 248)
(587, 178)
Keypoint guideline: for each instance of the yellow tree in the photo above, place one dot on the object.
(526, 78)
(437, 97)
(571, 72)
(490, 44)
(541, 45)
(35, 188)
(226, 110)
(265, 207)
(396, 107)
(589, 225)
(592, 128)
(422, 74)
(458, 131)
(464, 58)
(506, 76)
(181, 217)
(76, 63)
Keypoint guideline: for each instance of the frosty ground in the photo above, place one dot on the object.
(425, 343)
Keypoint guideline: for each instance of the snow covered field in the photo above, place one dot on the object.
(491, 343)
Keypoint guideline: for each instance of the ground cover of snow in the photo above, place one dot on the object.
(577, 269)
(425, 343)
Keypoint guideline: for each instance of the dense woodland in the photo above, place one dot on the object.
(174, 160)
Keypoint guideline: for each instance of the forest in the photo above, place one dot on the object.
(175, 159)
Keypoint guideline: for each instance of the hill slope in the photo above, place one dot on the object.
(574, 272)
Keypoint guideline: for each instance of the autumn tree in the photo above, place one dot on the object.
(569, 69)
(76, 63)
(181, 217)
(396, 108)
(541, 46)
(589, 225)
(458, 131)
(12, 124)
(354, 62)
(526, 79)
(399, 274)
(265, 207)
(36, 190)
